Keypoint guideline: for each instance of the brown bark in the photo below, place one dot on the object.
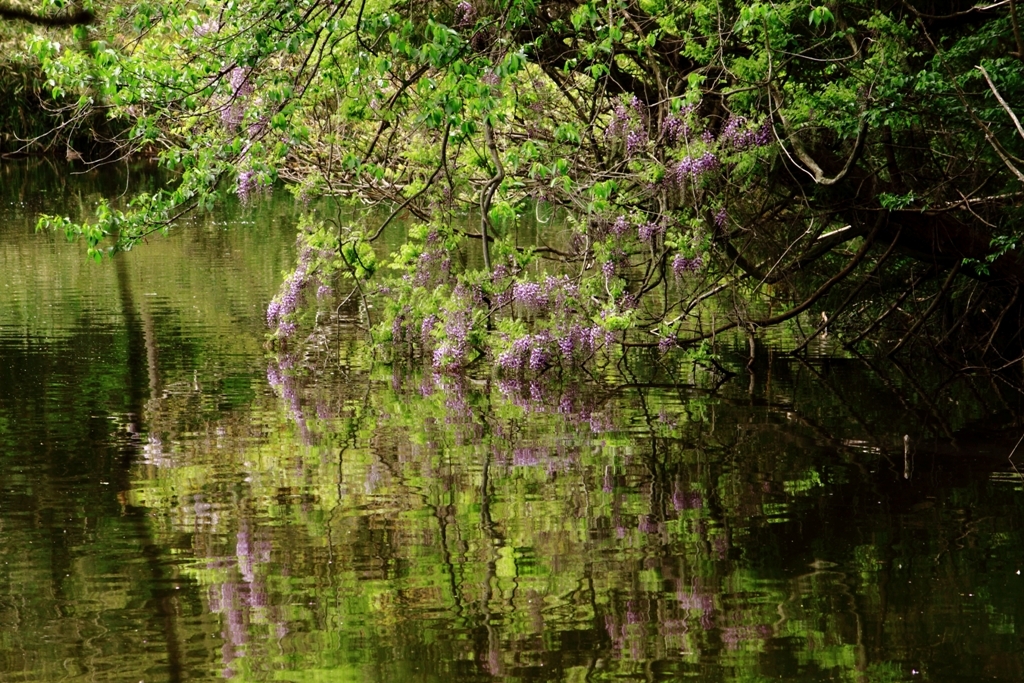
(78, 18)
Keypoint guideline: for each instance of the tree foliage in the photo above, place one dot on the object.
(711, 165)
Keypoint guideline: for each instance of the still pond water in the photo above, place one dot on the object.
(177, 503)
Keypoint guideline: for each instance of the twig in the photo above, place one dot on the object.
(852, 294)
(931, 309)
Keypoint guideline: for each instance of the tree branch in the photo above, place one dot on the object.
(79, 18)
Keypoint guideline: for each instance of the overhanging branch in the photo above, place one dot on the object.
(79, 18)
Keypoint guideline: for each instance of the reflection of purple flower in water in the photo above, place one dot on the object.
(373, 478)
(682, 500)
(525, 457)
(285, 384)
(733, 636)
(693, 600)
(427, 327)
(647, 524)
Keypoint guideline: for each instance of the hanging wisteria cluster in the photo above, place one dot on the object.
(517, 316)
(284, 309)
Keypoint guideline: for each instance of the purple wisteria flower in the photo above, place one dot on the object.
(620, 121)
(694, 168)
(530, 295)
(721, 216)
(273, 313)
(427, 327)
(608, 268)
(648, 231)
(620, 226)
(538, 358)
(682, 265)
(742, 136)
(241, 84)
(248, 186)
(465, 14)
(453, 351)
(636, 141)
(289, 299)
(674, 129)
(398, 329)
(667, 343)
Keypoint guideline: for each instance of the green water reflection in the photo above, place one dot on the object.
(177, 505)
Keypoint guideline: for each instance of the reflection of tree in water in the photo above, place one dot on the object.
(532, 527)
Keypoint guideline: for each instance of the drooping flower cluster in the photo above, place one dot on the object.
(427, 327)
(539, 296)
(636, 141)
(452, 352)
(682, 265)
(620, 121)
(620, 226)
(608, 269)
(693, 168)
(674, 129)
(434, 262)
(631, 123)
(233, 112)
(249, 186)
(666, 343)
(241, 84)
(721, 216)
(530, 295)
(514, 358)
(648, 231)
(291, 295)
(639, 108)
(210, 26)
(465, 14)
(536, 352)
(741, 135)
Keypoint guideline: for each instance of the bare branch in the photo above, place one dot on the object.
(992, 87)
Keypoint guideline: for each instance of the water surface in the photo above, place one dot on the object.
(179, 503)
